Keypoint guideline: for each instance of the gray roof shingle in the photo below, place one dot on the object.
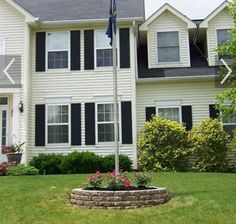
(61, 10)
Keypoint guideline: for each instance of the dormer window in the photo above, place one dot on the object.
(168, 49)
(223, 36)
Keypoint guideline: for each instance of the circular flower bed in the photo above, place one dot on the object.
(119, 199)
(119, 192)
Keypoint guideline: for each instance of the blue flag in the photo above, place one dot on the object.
(112, 21)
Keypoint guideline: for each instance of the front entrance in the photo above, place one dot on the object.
(3, 125)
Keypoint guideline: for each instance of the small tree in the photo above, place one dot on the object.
(209, 146)
(162, 145)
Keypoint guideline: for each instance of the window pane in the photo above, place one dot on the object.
(58, 134)
(168, 39)
(168, 54)
(3, 100)
(223, 36)
(58, 59)
(102, 40)
(58, 41)
(58, 114)
(169, 113)
(4, 127)
(105, 132)
(104, 57)
(230, 120)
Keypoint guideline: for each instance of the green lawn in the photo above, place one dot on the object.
(196, 198)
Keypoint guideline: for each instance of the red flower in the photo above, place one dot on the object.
(127, 183)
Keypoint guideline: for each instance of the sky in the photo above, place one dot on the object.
(194, 9)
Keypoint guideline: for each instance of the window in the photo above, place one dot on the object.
(170, 113)
(103, 49)
(223, 36)
(3, 100)
(58, 50)
(105, 122)
(229, 124)
(58, 123)
(4, 127)
(168, 47)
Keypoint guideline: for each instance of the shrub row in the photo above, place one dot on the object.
(167, 146)
(78, 162)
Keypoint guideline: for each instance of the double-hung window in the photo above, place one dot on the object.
(58, 49)
(168, 49)
(105, 122)
(229, 123)
(103, 49)
(170, 113)
(58, 124)
(223, 36)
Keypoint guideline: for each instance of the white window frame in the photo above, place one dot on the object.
(171, 107)
(109, 122)
(172, 62)
(69, 52)
(69, 124)
(97, 48)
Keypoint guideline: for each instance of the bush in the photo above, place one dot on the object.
(22, 170)
(108, 163)
(209, 146)
(47, 164)
(78, 162)
(162, 145)
(81, 162)
(4, 166)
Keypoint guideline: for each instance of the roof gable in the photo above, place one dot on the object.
(212, 15)
(169, 8)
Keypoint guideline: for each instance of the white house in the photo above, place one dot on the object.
(166, 65)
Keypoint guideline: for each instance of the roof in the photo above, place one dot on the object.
(199, 67)
(190, 23)
(76, 10)
(213, 14)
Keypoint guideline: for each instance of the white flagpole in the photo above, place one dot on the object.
(116, 127)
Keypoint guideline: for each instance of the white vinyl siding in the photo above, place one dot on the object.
(12, 31)
(222, 21)
(199, 95)
(167, 22)
(81, 86)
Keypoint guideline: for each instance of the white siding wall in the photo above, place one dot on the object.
(81, 87)
(12, 28)
(168, 22)
(222, 21)
(198, 94)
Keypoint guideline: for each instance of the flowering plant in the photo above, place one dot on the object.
(118, 181)
(142, 179)
(95, 180)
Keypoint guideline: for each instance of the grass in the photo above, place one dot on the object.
(196, 198)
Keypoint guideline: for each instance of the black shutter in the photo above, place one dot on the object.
(40, 51)
(89, 124)
(187, 117)
(75, 50)
(214, 113)
(124, 48)
(40, 125)
(76, 124)
(89, 49)
(149, 112)
(126, 115)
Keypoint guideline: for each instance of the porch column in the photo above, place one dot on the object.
(16, 119)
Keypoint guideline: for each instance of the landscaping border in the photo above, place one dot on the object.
(92, 199)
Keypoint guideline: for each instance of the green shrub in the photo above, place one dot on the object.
(22, 170)
(162, 145)
(209, 146)
(48, 163)
(108, 163)
(81, 162)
